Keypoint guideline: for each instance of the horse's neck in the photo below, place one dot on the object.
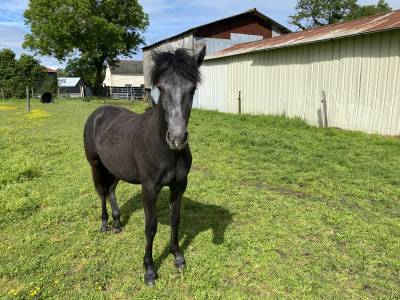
(161, 125)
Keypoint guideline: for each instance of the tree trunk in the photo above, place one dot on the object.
(99, 78)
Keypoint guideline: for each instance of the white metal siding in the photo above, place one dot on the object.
(214, 45)
(107, 78)
(111, 80)
(359, 75)
(123, 80)
(276, 32)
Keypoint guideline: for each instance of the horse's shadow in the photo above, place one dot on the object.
(196, 217)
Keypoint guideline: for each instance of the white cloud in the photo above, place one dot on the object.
(12, 35)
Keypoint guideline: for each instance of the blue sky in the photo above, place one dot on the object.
(167, 17)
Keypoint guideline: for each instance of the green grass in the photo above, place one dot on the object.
(274, 209)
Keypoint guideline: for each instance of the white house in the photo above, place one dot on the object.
(125, 80)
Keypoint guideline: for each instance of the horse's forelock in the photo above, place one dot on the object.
(179, 62)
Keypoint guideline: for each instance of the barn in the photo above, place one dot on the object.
(71, 87)
(125, 80)
(345, 76)
(245, 27)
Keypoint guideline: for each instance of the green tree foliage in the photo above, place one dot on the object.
(316, 13)
(61, 73)
(29, 73)
(7, 72)
(98, 30)
(16, 75)
(370, 10)
(49, 84)
(81, 67)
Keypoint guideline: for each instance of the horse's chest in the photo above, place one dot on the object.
(176, 173)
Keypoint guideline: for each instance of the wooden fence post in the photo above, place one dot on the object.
(2, 94)
(240, 102)
(28, 100)
(324, 108)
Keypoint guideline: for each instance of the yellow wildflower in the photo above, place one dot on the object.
(7, 107)
(37, 114)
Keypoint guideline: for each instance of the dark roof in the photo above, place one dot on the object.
(128, 67)
(253, 11)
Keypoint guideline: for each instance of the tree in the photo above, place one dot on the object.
(370, 10)
(98, 30)
(7, 72)
(79, 67)
(28, 73)
(49, 84)
(16, 75)
(316, 13)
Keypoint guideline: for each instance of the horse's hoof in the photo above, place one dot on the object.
(180, 263)
(150, 279)
(117, 229)
(104, 228)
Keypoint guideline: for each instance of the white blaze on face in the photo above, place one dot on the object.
(176, 118)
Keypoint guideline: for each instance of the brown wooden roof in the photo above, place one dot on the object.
(199, 29)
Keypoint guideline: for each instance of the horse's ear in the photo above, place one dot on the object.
(200, 56)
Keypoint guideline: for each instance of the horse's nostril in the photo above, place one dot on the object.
(177, 142)
(168, 138)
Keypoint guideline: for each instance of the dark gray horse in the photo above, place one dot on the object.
(150, 149)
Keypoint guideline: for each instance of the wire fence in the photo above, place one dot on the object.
(131, 93)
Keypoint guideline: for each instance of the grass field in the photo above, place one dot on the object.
(274, 209)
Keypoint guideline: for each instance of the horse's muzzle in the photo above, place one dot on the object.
(177, 143)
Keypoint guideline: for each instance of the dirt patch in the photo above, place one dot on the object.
(283, 191)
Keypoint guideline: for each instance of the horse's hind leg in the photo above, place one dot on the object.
(114, 207)
(104, 214)
(102, 180)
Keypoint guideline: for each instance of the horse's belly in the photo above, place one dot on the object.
(121, 167)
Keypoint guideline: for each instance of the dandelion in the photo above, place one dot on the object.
(35, 292)
(12, 292)
(37, 114)
(7, 107)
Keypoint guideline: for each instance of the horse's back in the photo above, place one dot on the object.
(109, 112)
(99, 122)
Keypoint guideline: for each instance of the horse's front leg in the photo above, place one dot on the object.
(149, 196)
(177, 191)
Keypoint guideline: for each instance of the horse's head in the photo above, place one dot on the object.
(176, 76)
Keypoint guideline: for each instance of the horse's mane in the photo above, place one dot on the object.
(180, 62)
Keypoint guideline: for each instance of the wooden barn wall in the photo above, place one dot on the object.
(251, 25)
(360, 77)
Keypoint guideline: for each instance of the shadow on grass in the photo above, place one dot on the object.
(196, 217)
